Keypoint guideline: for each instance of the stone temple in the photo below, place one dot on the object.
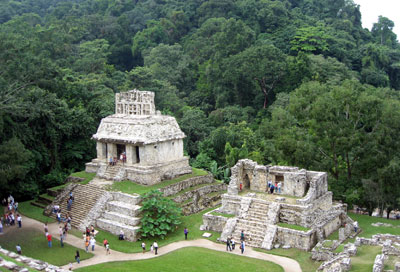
(299, 217)
(151, 142)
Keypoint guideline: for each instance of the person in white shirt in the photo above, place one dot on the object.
(155, 245)
(92, 243)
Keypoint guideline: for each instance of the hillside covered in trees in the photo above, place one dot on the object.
(292, 82)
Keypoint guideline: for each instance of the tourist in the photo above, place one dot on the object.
(279, 187)
(111, 161)
(233, 244)
(49, 239)
(124, 158)
(12, 218)
(87, 232)
(121, 158)
(269, 185)
(108, 249)
(87, 244)
(70, 266)
(46, 228)
(77, 257)
(19, 250)
(92, 243)
(10, 207)
(242, 246)
(69, 204)
(58, 216)
(62, 240)
(144, 247)
(151, 248)
(355, 225)
(105, 242)
(242, 236)
(16, 206)
(185, 231)
(155, 245)
(92, 230)
(19, 220)
(240, 186)
(121, 235)
(228, 244)
(56, 208)
(1, 226)
(271, 189)
(4, 202)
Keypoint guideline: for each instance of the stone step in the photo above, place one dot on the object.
(269, 237)
(118, 217)
(127, 198)
(115, 228)
(123, 208)
(240, 227)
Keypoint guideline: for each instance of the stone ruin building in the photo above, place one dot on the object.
(304, 201)
(152, 143)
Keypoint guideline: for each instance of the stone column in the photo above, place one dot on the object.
(101, 151)
(130, 154)
(111, 150)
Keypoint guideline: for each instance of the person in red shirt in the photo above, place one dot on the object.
(49, 239)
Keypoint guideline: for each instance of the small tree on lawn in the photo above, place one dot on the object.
(160, 215)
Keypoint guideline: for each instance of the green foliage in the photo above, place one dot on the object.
(160, 215)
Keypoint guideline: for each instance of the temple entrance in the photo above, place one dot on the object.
(246, 182)
(137, 154)
(120, 150)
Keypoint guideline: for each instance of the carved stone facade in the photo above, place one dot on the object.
(151, 143)
(306, 203)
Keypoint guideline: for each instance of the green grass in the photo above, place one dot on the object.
(130, 187)
(34, 244)
(14, 261)
(87, 176)
(339, 249)
(390, 262)
(191, 259)
(192, 222)
(365, 222)
(49, 197)
(334, 235)
(195, 187)
(364, 260)
(223, 214)
(302, 257)
(25, 208)
(328, 243)
(295, 227)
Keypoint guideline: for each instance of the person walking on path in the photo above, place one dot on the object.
(228, 244)
(105, 242)
(77, 257)
(185, 231)
(92, 243)
(144, 247)
(19, 220)
(155, 245)
(108, 249)
(49, 239)
(46, 228)
(242, 245)
(87, 244)
(233, 244)
(19, 250)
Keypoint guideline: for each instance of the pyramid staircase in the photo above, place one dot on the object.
(85, 196)
(258, 224)
(112, 172)
(121, 213)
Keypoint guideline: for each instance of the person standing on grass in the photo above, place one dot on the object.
(19, 250)
(185, 231)
(77, 257)
(155, 245)
(19, 220)
(49, 239)
(144, 247)
(92, 243)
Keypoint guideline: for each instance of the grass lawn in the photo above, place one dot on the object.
(364, 260)
(302, 257)
(190, 259)
(130, 187)
(34, 244)
(192, 222)
(223, 214)
(365, 221)
(25, 208)
(87, 176)
(295, 227)
(390, 262)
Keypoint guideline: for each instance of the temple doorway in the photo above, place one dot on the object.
(246, 182)
(137, 154)
(120, 150)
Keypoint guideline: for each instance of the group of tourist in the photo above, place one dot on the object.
(11, 215)
(89, 238)
(230, 243)
(114, 160)
(277, 187)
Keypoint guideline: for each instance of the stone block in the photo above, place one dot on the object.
(207, 234)
(397, 267)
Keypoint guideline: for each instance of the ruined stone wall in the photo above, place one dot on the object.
(213, 222)
(295, 238)
(292, 214)
(231, 204)
(200, 192)
(318, 187)
(184, 184)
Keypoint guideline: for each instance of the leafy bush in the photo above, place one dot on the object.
(160, 215)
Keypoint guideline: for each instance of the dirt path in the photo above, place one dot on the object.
(289, 265)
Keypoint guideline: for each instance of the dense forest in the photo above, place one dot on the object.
(289, 82)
